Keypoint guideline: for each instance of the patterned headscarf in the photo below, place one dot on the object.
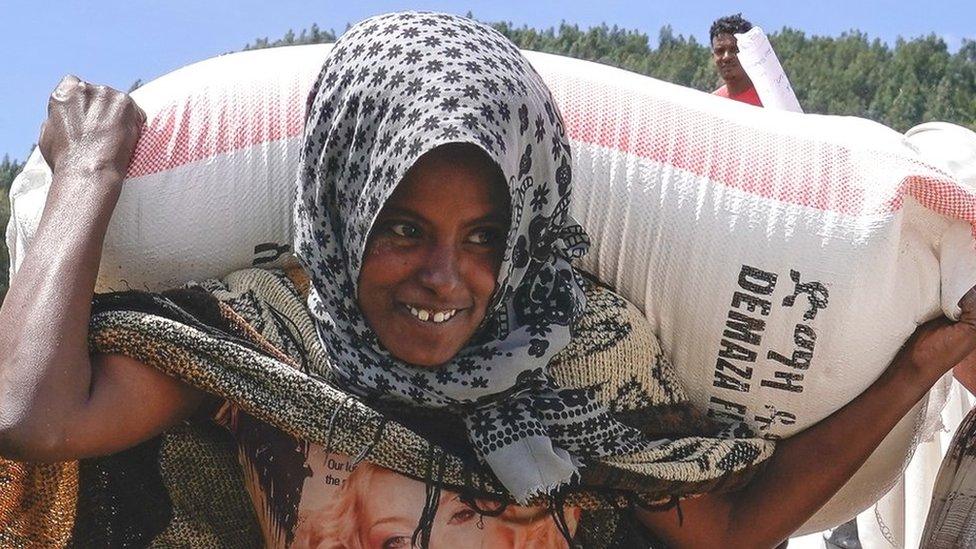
(395, 87)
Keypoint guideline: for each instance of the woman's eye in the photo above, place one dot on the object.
(462, 516)
(405, 230)
(484, 237)
(396, 542)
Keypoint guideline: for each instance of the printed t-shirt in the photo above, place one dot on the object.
(306, 497)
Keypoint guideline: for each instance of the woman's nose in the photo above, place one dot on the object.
(441, 270)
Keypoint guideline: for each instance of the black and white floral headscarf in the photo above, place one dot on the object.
(395, 87)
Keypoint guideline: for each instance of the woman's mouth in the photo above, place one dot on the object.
(435, 316)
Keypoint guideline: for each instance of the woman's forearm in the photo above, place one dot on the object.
(57, 402)
(801, 476)
(45, 370)
(808, 468)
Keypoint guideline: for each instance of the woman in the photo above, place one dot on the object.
(432, 286)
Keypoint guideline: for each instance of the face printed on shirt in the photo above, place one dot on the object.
(375, 508)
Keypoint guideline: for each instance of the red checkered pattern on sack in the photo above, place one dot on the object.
(788, 168)
(942, 195)
(217, 121)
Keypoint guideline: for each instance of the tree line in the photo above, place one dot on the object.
(899, 85)
(8, 170)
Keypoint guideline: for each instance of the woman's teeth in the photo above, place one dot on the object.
(436, 317)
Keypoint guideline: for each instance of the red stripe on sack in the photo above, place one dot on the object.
(787, 169)
(943, 196)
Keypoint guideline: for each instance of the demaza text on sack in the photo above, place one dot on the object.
(742, 339)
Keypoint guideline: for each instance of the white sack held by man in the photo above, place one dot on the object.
(758, 59)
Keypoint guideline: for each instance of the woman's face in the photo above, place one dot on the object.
(433, 255)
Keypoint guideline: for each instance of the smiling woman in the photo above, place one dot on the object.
(433, 256)
(387, 215)
(432, 220)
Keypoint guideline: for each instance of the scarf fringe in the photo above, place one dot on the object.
(548, 490)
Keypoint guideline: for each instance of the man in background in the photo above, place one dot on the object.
(725, 52)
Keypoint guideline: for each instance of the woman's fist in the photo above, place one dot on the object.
(90, 128)
(940, 344)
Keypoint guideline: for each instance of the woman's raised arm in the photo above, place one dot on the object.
(56, 402)
(808, 468)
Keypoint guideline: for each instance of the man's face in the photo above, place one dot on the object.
(725, 52)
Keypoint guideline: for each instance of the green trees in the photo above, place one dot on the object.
(8, 170)
(311, 36)
(914, 81)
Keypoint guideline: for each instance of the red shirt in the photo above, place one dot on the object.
(749, 96)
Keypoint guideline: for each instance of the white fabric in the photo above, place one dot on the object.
(211, 184)
(679, 190)
(899, 518)
(897, 521)
(758, 59)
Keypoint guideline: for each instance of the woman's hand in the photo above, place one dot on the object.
(939, 345)
(89, 127)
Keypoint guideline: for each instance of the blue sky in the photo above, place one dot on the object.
(115, 42)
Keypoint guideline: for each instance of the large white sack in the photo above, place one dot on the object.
(898, 519)
(695, 204)
(713, 200)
